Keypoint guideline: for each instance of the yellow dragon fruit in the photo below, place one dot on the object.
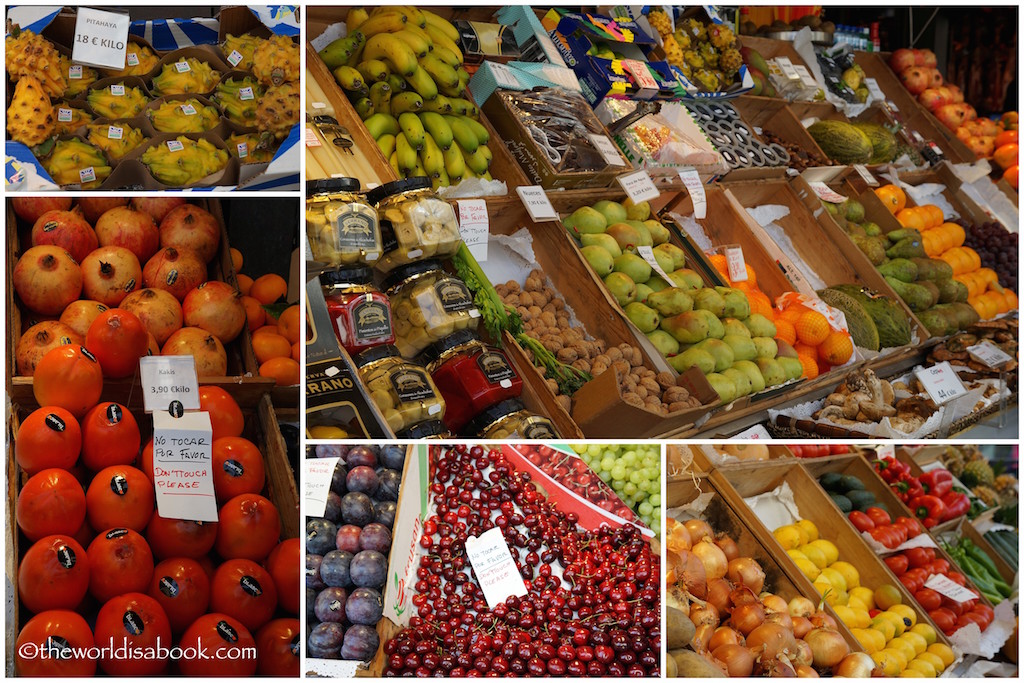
(256, 152)
(28, 54)
(189, 75)
(69, 119)
(125, 138)
(139, 60)
(30, 118)
(278, 110)
(184, 161)
(76, 162)
(117, 101)
(276, 61)
(79, 76)
(238, 99)
(184, 116)
(245, 46)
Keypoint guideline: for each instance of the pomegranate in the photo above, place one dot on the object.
(933, 98)
(29, 209)
(118, 340)
(217, 308)
(951, 115)
(158, 310)
(157, 207)
(211, 358)
(928, 58)
(133, 230)
(935, 77)
(65, 229)
(94, 207)
(958, 94)
(915, 79)
(902, 59)
(193, 228)
(80, 314)
(982, 147)
(47, 279)
(39, 339)
(177, 271)
(111, 274)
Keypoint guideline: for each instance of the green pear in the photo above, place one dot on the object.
(664, 342)
(687, 328)
(637, 212)
(635, 267)
(692, 278)
(585, 221)
(642, 292)
(735, 327)
(721, 351)
(657, 283)
(659, 233)
(693, 357)
(613, 212)
(707, 299)
(753, 373)
(723, 386)
(625, 235)
(644, 317)
(716, 330)
(740, 379)
(599, 259)
(621, 287)
(606, 242)
(766, 347)
(664, 261)
(677, 255)
(736, 303)
(742, 347)
(760, 326)
(772, 371)
(670, 301)
(784, 349)
(793, 367)
(646, 240)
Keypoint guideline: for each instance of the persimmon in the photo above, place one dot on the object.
(69, 377)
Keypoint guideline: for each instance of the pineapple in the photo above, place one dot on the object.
(660, 21)
(1006, 484)
(278, 110)
(987, 495)
(730, 62)
(276, 61)
(30, 118)
(28, 54)
(977, 473)
(721, 36)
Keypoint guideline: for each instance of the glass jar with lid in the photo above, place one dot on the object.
(361, 314)
(427, 305)
(511, 420)
(415, 223)
(471, 376)
(341, 224)
(401, 389)
(431, 429)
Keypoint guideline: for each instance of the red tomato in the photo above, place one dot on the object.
(278, 646)
(971, 618)
(879, 516)
(913, 526)
(133, 620)
(885, 535)
(48, 437)
(54, 574)
(860, 521)
(183, 589)
(283, 564)
(985, 612)
(85, 534)
(957, 577)
(928, 599)
(52, 631)
(938, 566)
(121, 562)
(249, 528)
(944, 619)
(838, 449)
(180, 537)
(919, 557)
(797, 450)
(225, 415)
(237, 467)
(118, 339)
(898, 564)
(957, 608)
(120, 496)
(50, 502)
(110, 436)
(229, 645)
(244, 590)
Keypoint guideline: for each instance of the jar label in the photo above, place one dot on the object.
(453, 295)
(371, 319)
(538, 430)
(495, 367)
(411, 385)
(355, 230)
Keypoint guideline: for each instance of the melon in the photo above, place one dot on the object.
(842, 141)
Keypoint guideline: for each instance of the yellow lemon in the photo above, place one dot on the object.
(863, 618)
(788, 536)
(900, 658)
(907, 612)
(897, 621)
(815, 555)
(807, 568)
(886, 659)
(856, 603)
(926, 669)
(925, 630)
(886, 596)
(327, 432)
(829, 548)
(917, 640)
(911, 673)
(835, 578)
(866, 640)
(849, 573)
(880, 639)
(944, 652)
(885, 627)
(932, 659)
(835, 597)
(865, 595)
(903, 647)
(846, 615)
(811, 530)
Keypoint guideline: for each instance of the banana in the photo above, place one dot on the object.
(446, 56)
(380, 96)
(419, 42)
(385, 47)
(441, 180)
(364, 108)
(406, 101)
(455, 92)
(463, 134)
(463, 77)
(413, 129)
(439, 105)
(487, 153)
(413, 14)
(356, 16)
(442, 40)
(381, 124)
(397, 83)
(418, 171)
(478, 160)
(454, 163)
(433, 158)
(341, 50)
(482, 135)
(386, 144)
(393, 160)
(422, 83)
(386, 22)
(443, 75)
(349, 79)
(438, 128)
(373, 70)
(407, 158)
(464, 107)
(442, 25)
(487, 176)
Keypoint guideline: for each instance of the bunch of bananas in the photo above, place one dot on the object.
(257, 150)
(402, 69)
(245, 45)
(76, 162)
(184, 163)
(28, 54)
(276, 61)
(184, 116)
(189, 75)
(80, 77)
(78, 118)
(237, 99)
(278, 110)
(30, 118)
(117, 101)
(116, 147)
(139, 60)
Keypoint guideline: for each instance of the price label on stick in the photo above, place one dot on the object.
(639, 186)
(691, 180)
(949, 588)
(989, 354)
(100, 38)
(864, 173)
(647, 253)
(537, 204)
(183, 466)
(316, 477)
(474, 226)
(941, 382)
(494, 567)
(607, 149)
(169, 379)
(737, 266)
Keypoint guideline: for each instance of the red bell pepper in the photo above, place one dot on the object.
(888, 468)
(937, 482)
(928, 509)
(957, 505)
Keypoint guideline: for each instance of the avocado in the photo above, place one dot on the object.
(842, 502)
(851, 483)
(830, 481)
(861, 500)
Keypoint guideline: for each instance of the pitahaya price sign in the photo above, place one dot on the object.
(100, 38)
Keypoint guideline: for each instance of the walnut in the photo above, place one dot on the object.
(524, 313)
(552, 385)
(622, 367)
(552, 344)
(628, 383)
(513, 286)
(525, 299)
(603, 358)
(564, 402)
(614, 353)
(597, 367)
(582, 364)
(653, 404)
(641, 391)
(535, 311)
(563, 315)
(637, 358)
(502, 290)
(567, 354)
(534, 283)
(548, 317)
(652, 386)
(540, 299)
(633, 400)
(676, 406)
(558, 303)
(512, 300)
(673, 394)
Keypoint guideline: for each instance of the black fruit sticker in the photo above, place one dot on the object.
(119, 485)
(66, 557)
(50, 226)
(55, 423)
(133, 623)
(65, 340)
(176, 409)
(169, 587)
(130, 285)
(116, 533)
(172, 277)
(335, 605)
(57, 647)
(251, 586)
(88, 354)
(201, 286)
(233, 468)
(114, 414)
(295, 645)
(226, 632)
(495, 367)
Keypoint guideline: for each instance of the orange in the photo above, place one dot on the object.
(760, 303)
(1010, 176)
(806, 350)
(1006, 155)
(285, 371)
(893, 197)
(793, 313)
(297, 352)
(267, 346)
(290, 324)
(810, 366)
(751, 274)
(836, 349)
(933, 215)
(236, 259)
(785, 331)
(911, 218)
(1006, 137)
(812, 328)
(1011, 299)
(266, 329)
(254, 313)
(244, 283)
(719, 262)
(267, 289)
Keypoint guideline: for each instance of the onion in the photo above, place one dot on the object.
(743, 596)
(679, 537)
(718, 594)
(746, 571)
(803, 653)
(746, 618)
(698, 529)
(728, 546)
(804, 671)
(703, 636)
(856, 665)
(781, 618)
(771, 640)
(773, 603)
(800, 607)
(827, 647)
(739, 661)
(715, 663)
(706, 615)
(724, 635)
(690, 570)
(801, 625)
(775, 668)
(823, 620)
(713, 558)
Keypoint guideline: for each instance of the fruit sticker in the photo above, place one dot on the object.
(182, 67)
(117, 90)
(75, 71)
(234, 58)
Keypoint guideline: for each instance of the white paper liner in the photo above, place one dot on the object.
(984, 668)
(775, 508)
(694, 229)
(474, 187)
(766, 216)
(971, 640)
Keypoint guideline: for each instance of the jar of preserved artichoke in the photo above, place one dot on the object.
(427, 305)
(402, 390)
(341, 224)
(415, 223)
(510, 420)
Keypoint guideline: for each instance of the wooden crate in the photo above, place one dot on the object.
(816, 506)
(777, 116)
(704, 463)
(943, 174)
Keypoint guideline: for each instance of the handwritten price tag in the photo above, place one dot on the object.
(989, 354)
(537, 204)
(474, 226)
(691, 180)
(755, 433)
(862, 170)
(647, 253)
(826, 193)
(886, 451)
(494, 567)
(949, 588)
(169, 379)
(941, 382)
(183, 466)
(737, 266)
(316, 476)
(607, 149)
(639, 186)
